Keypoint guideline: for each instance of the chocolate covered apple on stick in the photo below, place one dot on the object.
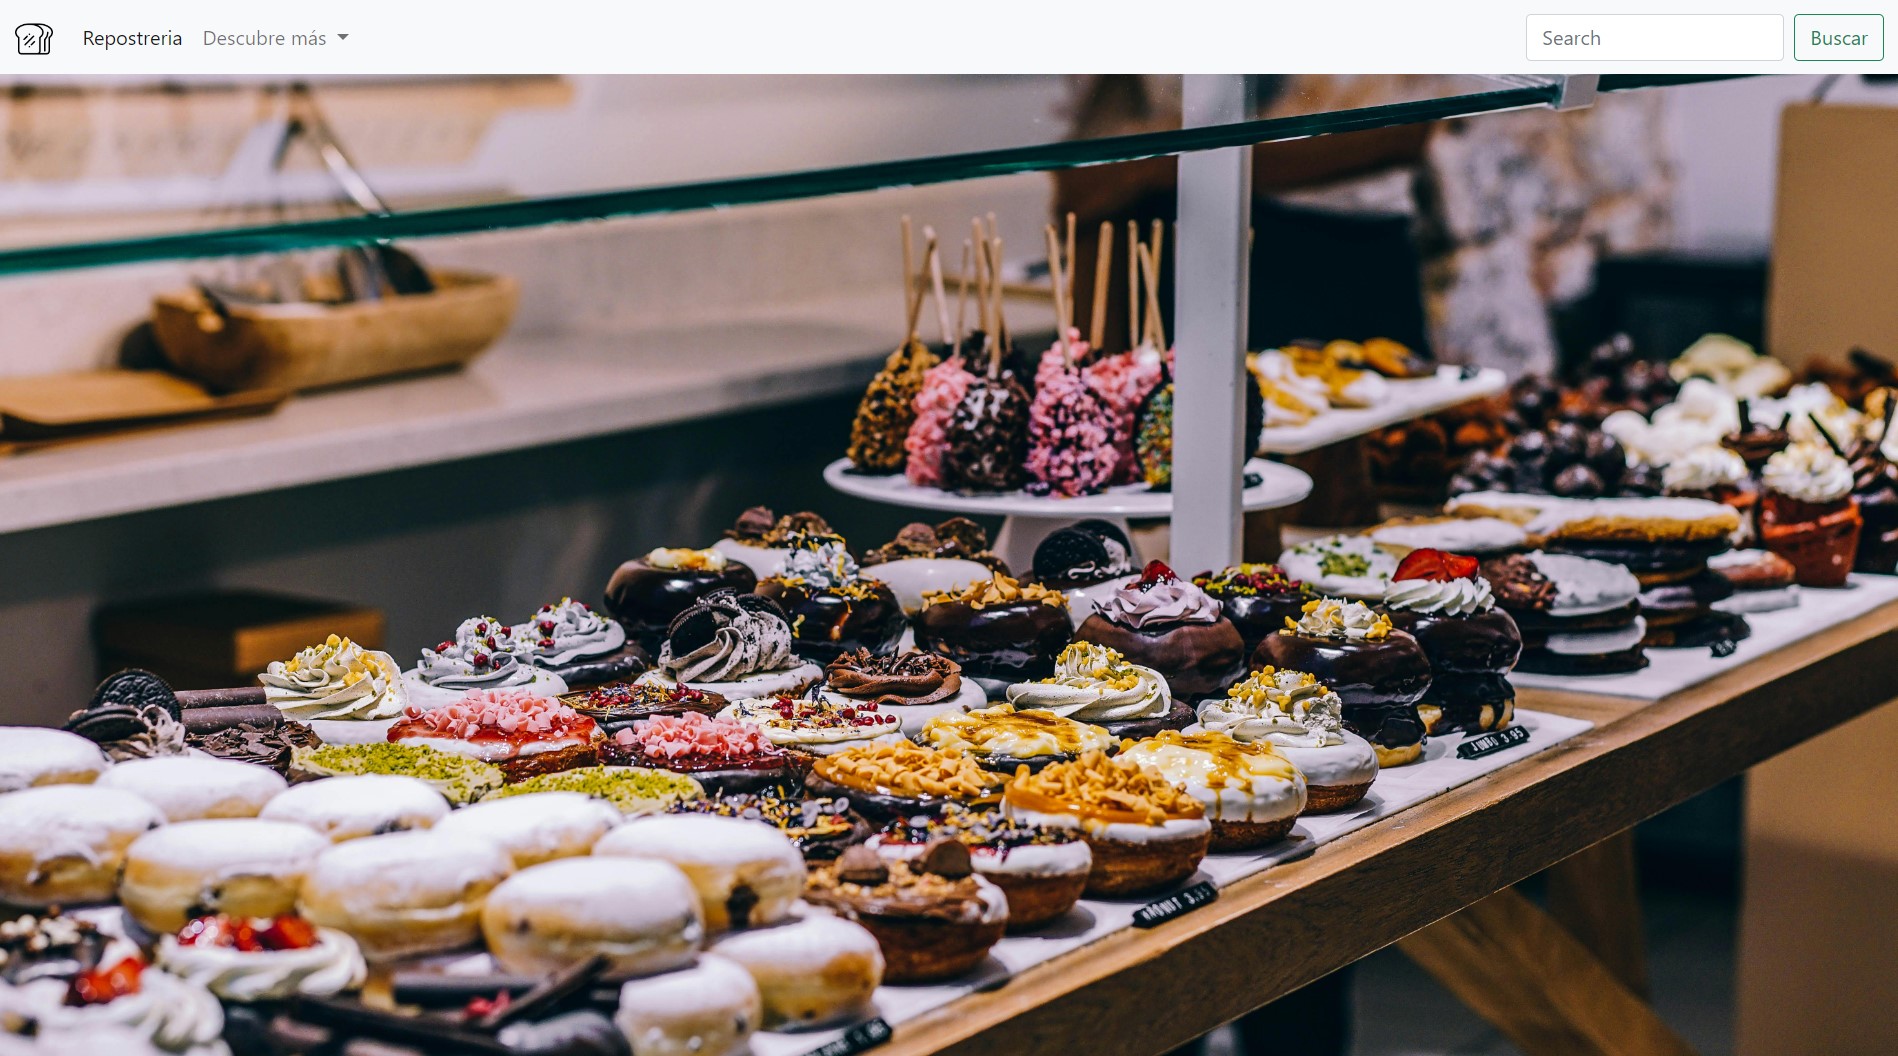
(880, 430)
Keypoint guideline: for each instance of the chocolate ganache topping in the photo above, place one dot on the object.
(913, 677)
(271, 746)
(726, 636)
(1518, 584)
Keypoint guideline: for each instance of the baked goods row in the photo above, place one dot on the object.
(982, 416)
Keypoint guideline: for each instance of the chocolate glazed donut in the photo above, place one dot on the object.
(826, 625)
(1199, 660)
(1259, 615)
(1012, 642)
(645, 600)
(1469, 657)
(1379, 683)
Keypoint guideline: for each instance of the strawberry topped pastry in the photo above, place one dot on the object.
(75, 987)
(522, 733)
(1165, 623)
(1444, 602)
(724, 755)
(807, 728)
(248, 959)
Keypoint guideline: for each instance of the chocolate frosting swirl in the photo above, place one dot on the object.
(913, 677)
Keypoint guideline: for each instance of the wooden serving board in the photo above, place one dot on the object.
(42, 411)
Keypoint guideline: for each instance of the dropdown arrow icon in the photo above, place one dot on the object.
(345, 36)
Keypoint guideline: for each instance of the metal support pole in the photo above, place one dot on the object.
(1210, 282)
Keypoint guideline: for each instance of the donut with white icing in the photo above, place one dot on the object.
(539, 826)
(194, 788)
(643, 915)
(31, 756)
(349, 808)
(747, 873)
(709, 1009)
(407, 893)
(245, 867)
(812, 970)
(64, 844)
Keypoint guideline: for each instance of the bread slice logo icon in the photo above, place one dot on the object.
(34, 38)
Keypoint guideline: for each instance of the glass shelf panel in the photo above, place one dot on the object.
(734, 176)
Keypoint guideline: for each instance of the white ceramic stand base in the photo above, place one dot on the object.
(1028, 519)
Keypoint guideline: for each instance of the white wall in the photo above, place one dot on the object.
(1726, 137)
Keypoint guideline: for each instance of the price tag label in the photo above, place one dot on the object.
(866, 1035)
(1477, 747)
(1173, 905)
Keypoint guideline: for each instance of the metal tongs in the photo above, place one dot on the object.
(366, 270)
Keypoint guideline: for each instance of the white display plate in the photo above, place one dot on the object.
(1672, 670)
(1279, 485)
(1395, 790)
(1411, 398)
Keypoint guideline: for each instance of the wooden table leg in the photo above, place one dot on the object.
(1594, 894)
(1512, 964)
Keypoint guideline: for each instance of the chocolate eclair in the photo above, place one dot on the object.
(647, 593)
(1173, 627)
(264, 744)
(832, 606)
(933, 917)
(1443, 602)
(617, 707)
(999, 631)
(1378, 671)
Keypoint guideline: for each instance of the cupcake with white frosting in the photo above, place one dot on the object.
(1717, 474)
(1810, 516)
(1304, 721)
(347, 694)
(484, 654)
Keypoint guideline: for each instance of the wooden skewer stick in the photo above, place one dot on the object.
(932, 256)
(1070, 268)
(909, 278)
(916, 302)
(996, 343)
(995, 285)
(1159, 247)
(1135, 335)
(1097, 298)
(1155, 324)
(962, 297)
(983, 321)
(1056, 281)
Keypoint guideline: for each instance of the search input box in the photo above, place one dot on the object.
(1657, 38)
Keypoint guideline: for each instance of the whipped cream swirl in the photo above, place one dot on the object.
(1455, 597)
(332, 966)
(1352, 621)
(1093, 683)
(1808, 472)
(175, 1015)
(482, 655)
(1704, 469)
(568, 631)
(745, 641)
(1140, 605)
(1289, 708)
(336, 680)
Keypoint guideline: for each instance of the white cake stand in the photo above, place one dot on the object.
(1029, 518)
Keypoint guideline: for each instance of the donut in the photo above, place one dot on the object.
(349, 808)
(64, 844)
(747, 873)
(193, 788)
(405, 894)
(245, 867)
(812, 970)
(537, 827)
(31, 756)
(708, 1009)
(643, 915)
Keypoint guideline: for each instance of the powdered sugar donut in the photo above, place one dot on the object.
(747, 873)
(537, 827)
(193, 788)
(643, 915)
(811, 970)
(709, 1009)
(32, 756)
(64, 844)
(241, 866)
(349, 808)
(407, 893)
